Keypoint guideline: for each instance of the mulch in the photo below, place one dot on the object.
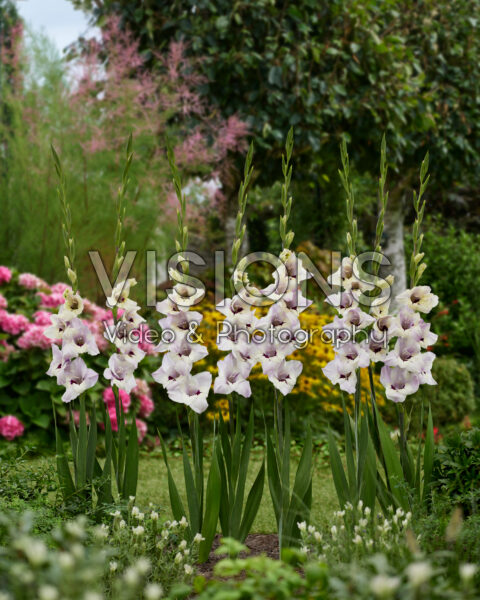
(257, 543)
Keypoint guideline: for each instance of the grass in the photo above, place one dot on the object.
(152, 487)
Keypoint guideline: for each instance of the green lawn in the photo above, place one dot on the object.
(153, 488)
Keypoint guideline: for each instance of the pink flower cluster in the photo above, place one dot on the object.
(5, 350)
(12, 323)
(33, 337)
(5, 275)
(146, 405)
(11, 427)
(51, 300)
(3, 302)
(31, 282)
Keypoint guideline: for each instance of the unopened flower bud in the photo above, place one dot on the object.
(72, 276)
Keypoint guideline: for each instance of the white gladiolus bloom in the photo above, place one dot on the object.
(120, 372)
(120, 295)
(380, 307)
(78, 339)
(385, 326)
(279, 317)
(419, 298)
(354, 354)
(184, 296)
(407, 324)
(132, 318)
(180, 321)
(73, 305)
(405, 355)
(245, 352)
(271, 355)
(58, 327)
(345, 278)
(232, 377)
(294, 266)
(425, 370)
(342, 301)
(132, 351)
(167, 307)
(295, 300)
(339, 331)
(76, 378)
(183, 350)
(398, 383)
(377, 351)
(425, 337)
(58, 363)
(284, 375)
(357, 318)
(237, 312)
(192, 390)
(171, 371)
(342, 372)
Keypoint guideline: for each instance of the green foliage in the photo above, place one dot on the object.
(457, 470)
(139, 557)
(332, 68)
(20, 480)
(233, 454)
(452, 399)
(453, 267)
(291, 504)
(203, 504)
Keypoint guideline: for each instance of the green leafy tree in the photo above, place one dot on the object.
(332, 68)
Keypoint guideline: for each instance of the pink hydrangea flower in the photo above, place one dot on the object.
(12, 323)
(30, 281)
(10, 426)
(59, 288)
(109, 399)
(51, 300)
(113, 419)
(76, 417)
(5, 275)
(144, 344)
(98, 313)
(141, 428)
(42, 317)
(33, 338)
(146, 406)
(5, 350)
(3, 302)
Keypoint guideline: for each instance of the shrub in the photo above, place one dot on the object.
(453, 267)
(457, 470)
(453, 396)
(26, 391)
